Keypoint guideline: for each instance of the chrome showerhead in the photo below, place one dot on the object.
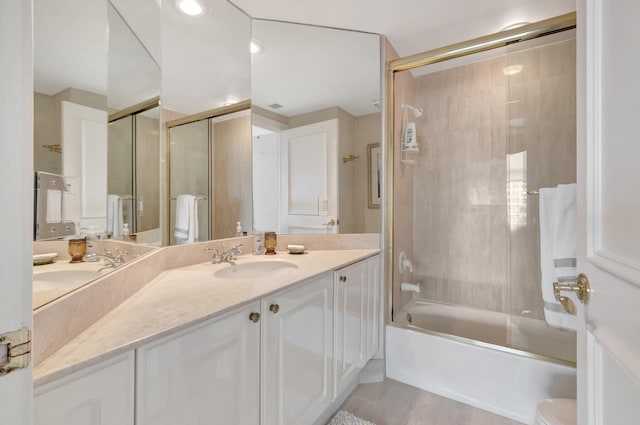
(417, 112)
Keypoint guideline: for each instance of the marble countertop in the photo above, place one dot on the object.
(180, 298)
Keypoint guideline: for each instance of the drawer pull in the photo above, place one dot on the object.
(274, 308)
(254, 317)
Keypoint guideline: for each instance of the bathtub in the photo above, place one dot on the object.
(460, 353)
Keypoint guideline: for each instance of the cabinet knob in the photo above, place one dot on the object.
(274, 308)
(343, 278)
(254, 317)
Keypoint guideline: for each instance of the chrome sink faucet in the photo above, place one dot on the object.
(111, 260)
(229, 256)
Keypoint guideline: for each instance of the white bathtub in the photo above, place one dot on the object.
(507, 382)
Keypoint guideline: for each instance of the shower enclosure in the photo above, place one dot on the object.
(132, 172)
(209, 158)
(475, 138)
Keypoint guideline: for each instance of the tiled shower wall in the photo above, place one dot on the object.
(465, 249)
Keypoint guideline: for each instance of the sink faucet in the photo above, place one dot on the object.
(226, 256)
(111, 260)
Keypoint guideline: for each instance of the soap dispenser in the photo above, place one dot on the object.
(125, 231)
(238, 229)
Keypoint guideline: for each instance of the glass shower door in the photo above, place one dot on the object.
(541, 153)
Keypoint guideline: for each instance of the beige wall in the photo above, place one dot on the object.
(473, 117)
(368, 130)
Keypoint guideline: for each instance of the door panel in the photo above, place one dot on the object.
(208, 375)
(608, 211)
(309, 178)
(16, 163)
(298, 354)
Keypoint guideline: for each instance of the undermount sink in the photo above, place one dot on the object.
(253, 269)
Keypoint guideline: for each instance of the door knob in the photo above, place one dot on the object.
(254, 317)
(581, 288)
(274, 308)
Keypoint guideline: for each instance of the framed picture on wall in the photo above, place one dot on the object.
(375, 174)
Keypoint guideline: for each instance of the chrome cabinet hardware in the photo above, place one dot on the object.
(254, 317)
(581, 288)
(15, 350)
(274, 308)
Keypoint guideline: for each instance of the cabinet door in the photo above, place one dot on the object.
(297, 383)
(350, 289)
(208, 375)
(102, 394)
(372, 324)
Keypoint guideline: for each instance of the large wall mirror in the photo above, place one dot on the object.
(97, 125)
(316, 109)
(276, 137)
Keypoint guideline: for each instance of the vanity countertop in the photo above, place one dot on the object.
(180, 298)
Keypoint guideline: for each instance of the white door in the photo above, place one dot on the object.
(609, 211)
(309, 179)
(16, 163)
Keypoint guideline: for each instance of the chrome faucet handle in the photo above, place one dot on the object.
(216, 258)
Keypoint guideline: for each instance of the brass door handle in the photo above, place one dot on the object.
(581, 288)
(274, 308)
(254, 317)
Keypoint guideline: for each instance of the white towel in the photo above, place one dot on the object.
(114, 215)
(186, 227)
(54, 206)
(557, 249)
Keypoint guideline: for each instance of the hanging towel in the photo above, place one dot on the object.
(54, 206)
(557, 249)
(114, 216)
(186, 227)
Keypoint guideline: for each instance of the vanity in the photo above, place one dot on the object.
(267, 340)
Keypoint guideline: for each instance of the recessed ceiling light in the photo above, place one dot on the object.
(255, 47)
(190, 7)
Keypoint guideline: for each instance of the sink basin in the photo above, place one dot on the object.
(254, 269)
(66, 276)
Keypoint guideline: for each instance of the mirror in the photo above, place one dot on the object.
(315, 102)
(88, 65)
(205, 73)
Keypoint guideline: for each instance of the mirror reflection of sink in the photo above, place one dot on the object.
(66, 276)
(253, 269)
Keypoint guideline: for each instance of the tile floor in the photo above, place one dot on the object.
(393, 403)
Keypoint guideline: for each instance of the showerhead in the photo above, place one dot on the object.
(417, 112)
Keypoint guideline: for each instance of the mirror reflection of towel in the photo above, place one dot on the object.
(114, 215)
(186, 227)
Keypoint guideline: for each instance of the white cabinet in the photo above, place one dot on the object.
(373, 307)
(206, 375)
(99, 395)
(350, 290)
(297, 368)
(280, 361)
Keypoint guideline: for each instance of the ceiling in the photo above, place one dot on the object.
(411, 26)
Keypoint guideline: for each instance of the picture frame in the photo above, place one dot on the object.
(374, 159)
